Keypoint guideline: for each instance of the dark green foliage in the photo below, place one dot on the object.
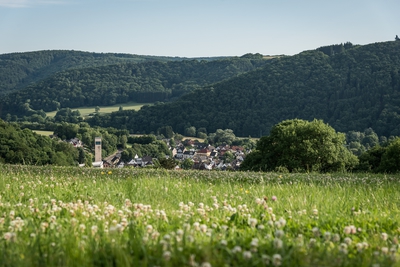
(17, 70)
(245, 142)
(166, 131)
(354, 90)
(120, 83)
(143, 140)
(19, 146)
(221, 137)
(332, 50)
(390, 162)
(66, 130)
(370, 160)
(67, 115)
(359, 142)
(187, 164)
(299, 145)
(384, 159)
(228, 157)
(167, 163)
(190, 131)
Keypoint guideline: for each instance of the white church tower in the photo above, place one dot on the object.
(98, 162)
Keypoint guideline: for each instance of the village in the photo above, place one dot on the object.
(201, 155)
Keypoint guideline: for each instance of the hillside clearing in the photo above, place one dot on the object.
(86, 111)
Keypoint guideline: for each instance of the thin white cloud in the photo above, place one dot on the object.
(27, 3)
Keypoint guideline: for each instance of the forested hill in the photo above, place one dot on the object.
(17, 70)
(351, 89)
(119, 83)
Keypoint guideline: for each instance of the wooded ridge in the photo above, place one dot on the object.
(148, 81)
(349, 87)
(18, 70)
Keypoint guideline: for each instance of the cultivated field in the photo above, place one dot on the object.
(85, 111)
(54, 216)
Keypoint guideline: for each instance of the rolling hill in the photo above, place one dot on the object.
(18, 70)
(148, 81)
(349, 87)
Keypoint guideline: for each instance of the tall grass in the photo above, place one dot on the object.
(54, 216)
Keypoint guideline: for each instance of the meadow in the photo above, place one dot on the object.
(57, 216)
(85, 111)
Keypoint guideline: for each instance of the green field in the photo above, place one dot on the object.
(85, 111)
(46, 133)
(53, 216)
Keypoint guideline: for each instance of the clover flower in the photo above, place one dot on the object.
(348, 240)
(167, 255)
(361, 246)
(179, 232)
(336, 238)
(315, 231)
(236, 249)
(247, 255)
(254, 242)
(149, 228)
(279, 233)
(259, 201)
(10, 236)
(252, 222)
(266, 259)
(82, 227)
(17, 224)
(327, 236)
(384, 236)
(94, 229)
(350, 230)
(196, 226)
(278, 243)
(155, 235)
(277, 260)
(343, 248)
(203, 228)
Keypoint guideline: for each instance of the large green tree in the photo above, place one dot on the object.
(300, 145)
(390, 161)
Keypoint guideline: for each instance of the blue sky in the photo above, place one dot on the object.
(191, 28)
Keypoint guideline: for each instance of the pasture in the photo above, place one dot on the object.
(42, 132)
(85, 111)
(55, 216)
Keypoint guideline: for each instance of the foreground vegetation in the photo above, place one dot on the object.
(55, 216)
